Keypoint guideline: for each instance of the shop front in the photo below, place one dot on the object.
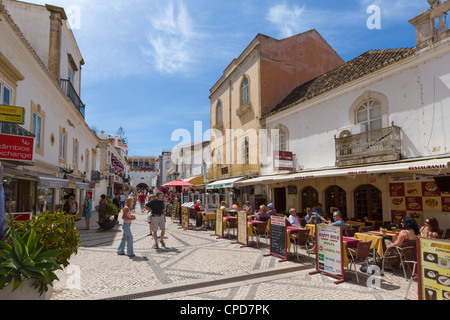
(385, 192)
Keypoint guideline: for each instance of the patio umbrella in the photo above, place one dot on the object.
(179, 183)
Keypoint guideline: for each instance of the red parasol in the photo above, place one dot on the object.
(179, 183)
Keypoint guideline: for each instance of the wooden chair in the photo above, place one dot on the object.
(359, 256)
(260, 229)
(350, 232)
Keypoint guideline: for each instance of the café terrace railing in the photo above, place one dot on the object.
(369, 147)
(70, 91)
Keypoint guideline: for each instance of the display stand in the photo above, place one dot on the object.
(219, 224)
(330, 252)
(242, 229)
(185, 219)
(278, 238)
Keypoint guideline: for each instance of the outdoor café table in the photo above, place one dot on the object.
(210, 216)
(312, 228)
(377, 240)
(349, 243)
(356, 225)
(225, 220)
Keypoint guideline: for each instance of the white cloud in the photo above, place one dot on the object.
(287, 19)
(171, 37)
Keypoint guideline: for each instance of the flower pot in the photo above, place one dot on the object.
(26, 291)
(108, 225)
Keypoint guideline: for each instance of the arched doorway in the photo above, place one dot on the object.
(309, 197)
(335, 196)
(368, 202)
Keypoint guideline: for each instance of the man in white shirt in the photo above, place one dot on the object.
(293, 219)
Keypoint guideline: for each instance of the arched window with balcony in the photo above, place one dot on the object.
(369, 114)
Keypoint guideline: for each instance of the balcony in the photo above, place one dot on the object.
(70, 91)
(217, 172)
(15, 130)
(369, 147)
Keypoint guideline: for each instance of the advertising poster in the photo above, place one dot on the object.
(242, 228)
(434, 269)
(185, 218)
(16, 148)
(329, 250)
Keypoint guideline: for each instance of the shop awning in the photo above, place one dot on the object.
(220, 184)
(197, 180)
(434, 165)
(53, 183)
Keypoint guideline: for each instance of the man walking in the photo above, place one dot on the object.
(156, 207)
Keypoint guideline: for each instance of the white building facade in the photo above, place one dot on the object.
(369, 137)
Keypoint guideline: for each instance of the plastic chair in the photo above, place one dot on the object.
(411, 261)
(231, 224)
(350, 232)
(300, 238)
(359, 256)
(260, 229)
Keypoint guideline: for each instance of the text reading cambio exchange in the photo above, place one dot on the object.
(228, 310)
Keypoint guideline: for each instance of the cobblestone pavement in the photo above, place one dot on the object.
(197, 266)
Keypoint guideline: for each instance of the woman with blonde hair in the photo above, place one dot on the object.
(127, 238)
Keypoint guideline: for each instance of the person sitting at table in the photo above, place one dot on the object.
(410, 232)
(313, 217)
(272, 211)
(338, 222)
(235, 205)
(293, 219)
(224, 208)
(248, 207)
(430, 229)
(262, 214)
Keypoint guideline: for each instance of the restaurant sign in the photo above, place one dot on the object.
(283, 160)
(434, 269)
(12, 114)
(242, 228)
(16, 148)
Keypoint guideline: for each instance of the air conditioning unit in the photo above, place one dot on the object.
(350, 131)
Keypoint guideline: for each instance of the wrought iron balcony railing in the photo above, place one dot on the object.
(15, 130)
(70, 91)
(369, 147)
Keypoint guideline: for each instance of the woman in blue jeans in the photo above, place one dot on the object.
(127, 238)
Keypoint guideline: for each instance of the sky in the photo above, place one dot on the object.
(150, 64)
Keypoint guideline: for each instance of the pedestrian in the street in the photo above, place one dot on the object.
(87, 211)
(122, 199)
(156, 207)
(149, 216)
(116, 202)
(142, 198)
(127, 238)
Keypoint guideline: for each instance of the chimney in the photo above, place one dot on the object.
(57, 15)
(431, 25)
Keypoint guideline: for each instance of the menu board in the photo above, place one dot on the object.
(185, 218)
(330, 250)
(242, 236)
(219, 223)
(278, 230)
(413, 197)
(434, 269)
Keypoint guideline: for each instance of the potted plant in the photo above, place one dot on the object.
(109, 213)
(31, 253)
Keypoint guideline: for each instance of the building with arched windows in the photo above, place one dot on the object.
(370, 136)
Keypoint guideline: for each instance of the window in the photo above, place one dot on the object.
(37, 129)
(370, 115)
(75, 152)
(219, 115)
(246, 151)
(5, 95)
(71, 75)
(86, 169)
(281, 140)
(245, 92)
(62, 145)
(309, 198)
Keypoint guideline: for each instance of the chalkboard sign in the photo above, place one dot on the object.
(278, 237)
